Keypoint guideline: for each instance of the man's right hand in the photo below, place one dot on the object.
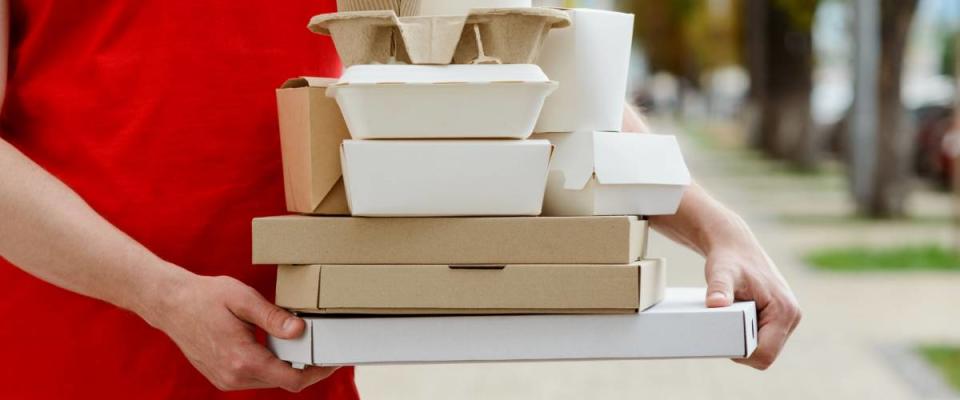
(212, 320)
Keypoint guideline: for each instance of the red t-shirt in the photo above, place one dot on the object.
(162, 115)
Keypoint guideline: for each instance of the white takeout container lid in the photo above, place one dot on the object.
(442, 74)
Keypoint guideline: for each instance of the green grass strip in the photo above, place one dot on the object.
(904, 258)
(946, 359)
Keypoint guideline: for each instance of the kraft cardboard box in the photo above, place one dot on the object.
(591, 60)
(613, 173)
(308, 240)
(680, 326)
(471, 289)
(311, 131)
(441, 101)
(427, 178)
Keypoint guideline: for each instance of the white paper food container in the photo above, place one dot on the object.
(612, 173)
(445, 177)
(448, 101)
(679, 327)
(591, 60)
(463, 7)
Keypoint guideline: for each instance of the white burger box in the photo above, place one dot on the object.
(613, 173)
(679, 327)
(591, 60)
(471, 289)
(423, 178)
(448, 101)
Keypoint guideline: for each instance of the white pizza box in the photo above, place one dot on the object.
(681, 326)
(425, 178)
(462, 7)
(441, 101)
(613, 173)
(591, 60)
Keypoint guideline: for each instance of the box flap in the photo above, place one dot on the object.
(297, 286)
(636, 158)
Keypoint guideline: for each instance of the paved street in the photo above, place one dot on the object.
(849, 319)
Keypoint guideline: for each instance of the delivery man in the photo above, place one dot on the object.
(137, 140)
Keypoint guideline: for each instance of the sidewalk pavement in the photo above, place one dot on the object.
(837, 352)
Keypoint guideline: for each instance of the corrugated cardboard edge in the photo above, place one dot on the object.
(298, 286)
(653, 282)
(639, 230)
(750, 331)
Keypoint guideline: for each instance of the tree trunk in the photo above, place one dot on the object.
(785, 124)
(755, 45)
(894, 139)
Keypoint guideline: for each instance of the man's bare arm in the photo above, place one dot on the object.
(737, 266)
(50, 232)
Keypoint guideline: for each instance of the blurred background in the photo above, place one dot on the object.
(828, 124)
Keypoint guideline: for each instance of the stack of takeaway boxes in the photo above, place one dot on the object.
(426, 141)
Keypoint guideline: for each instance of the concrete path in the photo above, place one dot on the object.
(837, 353)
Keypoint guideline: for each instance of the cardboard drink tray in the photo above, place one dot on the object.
(403, 8)
(471, 289)
(498, 35)
(679, 327)
(488, 240)
(463, 7)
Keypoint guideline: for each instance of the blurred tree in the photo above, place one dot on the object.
(686, 37)
(780, 62)
(891, 176)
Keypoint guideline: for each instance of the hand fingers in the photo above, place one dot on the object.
(774, 334)
(276, 373)
(253, 308)
(720, 283)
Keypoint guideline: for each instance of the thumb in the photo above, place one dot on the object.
(272, 319)
(720, 283)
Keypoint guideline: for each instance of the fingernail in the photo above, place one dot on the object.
(718, 296)
(288, 324)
